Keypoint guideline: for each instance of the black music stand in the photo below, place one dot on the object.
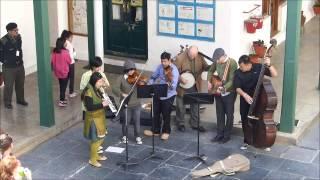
(152, 91)
(198, 98)
(124, 105)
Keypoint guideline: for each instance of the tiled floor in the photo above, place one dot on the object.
(66, 157)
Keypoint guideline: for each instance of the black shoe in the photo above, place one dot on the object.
(8, 106)
(224, 140)
(182, 128)
(23, 103)
(217, 139)
(201, 129)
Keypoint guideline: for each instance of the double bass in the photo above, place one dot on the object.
(261, 130)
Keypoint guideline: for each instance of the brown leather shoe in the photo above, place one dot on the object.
(165, 136)
(149, 133)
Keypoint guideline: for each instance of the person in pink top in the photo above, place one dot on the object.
(60, 62)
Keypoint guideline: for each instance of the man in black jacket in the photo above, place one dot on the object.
(13, 69)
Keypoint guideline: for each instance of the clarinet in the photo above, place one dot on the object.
(106, 97)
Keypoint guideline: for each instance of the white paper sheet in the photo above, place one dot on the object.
(114, 149)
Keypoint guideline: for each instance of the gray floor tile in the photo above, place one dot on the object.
(182, 161)
(300, 154)
(122, 175)
(64, 165)
(164, 155)
(267, 162)
(92, 173)
(273, 175)
(169, 172)
(144, 167)
(32, 162)
(304, 169)
(316, 159)
(253, 173)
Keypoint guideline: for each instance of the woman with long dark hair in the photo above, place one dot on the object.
(94, 125)
(60, 61)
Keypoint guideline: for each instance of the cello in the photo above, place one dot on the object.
(261, 131)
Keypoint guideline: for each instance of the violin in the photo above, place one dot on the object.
(137, 77)
(168, 74)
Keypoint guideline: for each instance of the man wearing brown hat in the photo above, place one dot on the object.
(13, 69)
(220, 83)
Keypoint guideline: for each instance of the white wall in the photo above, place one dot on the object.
(306, 7)
(21, 12)
(53, 22)
(230, 32)
(58, 21)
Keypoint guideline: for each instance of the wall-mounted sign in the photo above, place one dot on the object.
(77, 15)
(193, 19)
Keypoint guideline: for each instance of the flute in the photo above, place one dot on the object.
(106, 97)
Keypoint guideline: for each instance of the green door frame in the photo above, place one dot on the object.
(90, 26)
(41, 21)
(292, 48)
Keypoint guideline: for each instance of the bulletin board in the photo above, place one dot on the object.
(191, 19)
(77, 16)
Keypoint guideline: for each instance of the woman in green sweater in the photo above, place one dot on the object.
(94, 125)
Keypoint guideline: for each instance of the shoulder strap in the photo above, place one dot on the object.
(226, 71)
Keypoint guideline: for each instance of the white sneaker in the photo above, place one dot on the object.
(244, 146)
(62, 104)
(139, 140)
(267, 149)
(124, 139)
(72, 95)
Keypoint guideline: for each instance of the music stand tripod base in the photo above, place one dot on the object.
(198, 98)
(200, 157)
(152, 91)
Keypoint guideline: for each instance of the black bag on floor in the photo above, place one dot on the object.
(109, 113)
(145, 117)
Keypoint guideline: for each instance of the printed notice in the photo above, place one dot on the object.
(205, 13)
(204, 1)
(205, 30)
(167, 10)
(185, 12)
(186, 1)
(167, 26)
(186, 28)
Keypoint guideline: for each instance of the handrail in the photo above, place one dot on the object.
(257, 6)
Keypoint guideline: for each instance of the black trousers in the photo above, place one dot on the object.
(63, 83)
(225, 109)
(71, 77)
(164, 108)
(244, 109)
(13, 76)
